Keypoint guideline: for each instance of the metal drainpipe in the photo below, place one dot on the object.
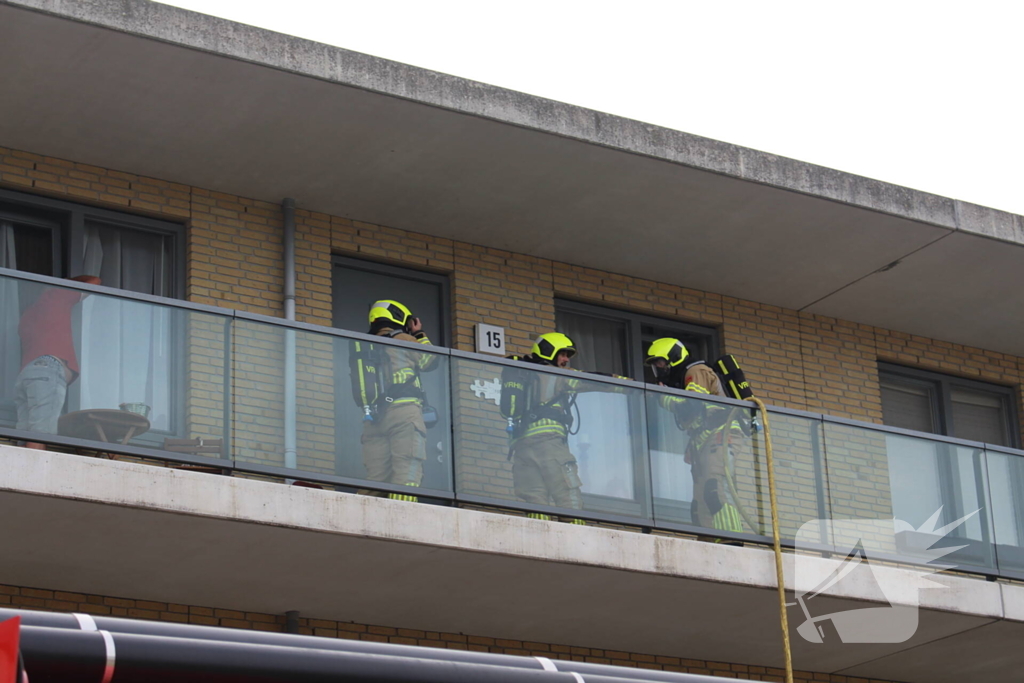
(290, 440)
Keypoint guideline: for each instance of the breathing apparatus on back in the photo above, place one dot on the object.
(517, 390)
(372, 379)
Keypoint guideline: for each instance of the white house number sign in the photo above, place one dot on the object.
(490, 339)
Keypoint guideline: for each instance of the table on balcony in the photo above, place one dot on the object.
(101, 424)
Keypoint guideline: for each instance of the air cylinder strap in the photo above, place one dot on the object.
(777, 542)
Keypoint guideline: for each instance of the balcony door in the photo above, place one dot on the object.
(355, 285)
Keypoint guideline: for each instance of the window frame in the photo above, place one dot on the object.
(942, 408)
(634, 335)
(438, 337)
(69, 231)
(443, 334)
(66, 220)
(634, 323)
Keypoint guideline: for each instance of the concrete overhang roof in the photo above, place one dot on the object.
(121, 529)
(163, 92)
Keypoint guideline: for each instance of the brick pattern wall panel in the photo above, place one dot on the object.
(840, 368)
(313, 267)
(497, 287)
(642, 296)
(766, 341)
(258, 393)
(315, 365)
(858, 477)
(235, 253)
(512, 291)
(75, 181)
(802, 491)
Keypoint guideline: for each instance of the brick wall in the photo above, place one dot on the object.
(65, 601)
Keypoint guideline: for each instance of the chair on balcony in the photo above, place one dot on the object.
(213, 448)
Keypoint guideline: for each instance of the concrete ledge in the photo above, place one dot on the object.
(123, 529)
(140, 486)
(275, 50)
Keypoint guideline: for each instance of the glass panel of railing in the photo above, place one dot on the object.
(1006, 481)
(111, 370)
(709, 468)
(909, 498)
(566, 442)
(325, 407)
(802, 493)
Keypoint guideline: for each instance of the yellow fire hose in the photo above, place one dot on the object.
(779, 575)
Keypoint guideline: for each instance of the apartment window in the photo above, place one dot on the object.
(51, 237)
(940, 404)
(125, 348)
(613, 341)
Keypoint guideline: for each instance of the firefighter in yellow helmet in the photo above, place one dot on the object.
(710, 427)
(544, 471)
(394, 439)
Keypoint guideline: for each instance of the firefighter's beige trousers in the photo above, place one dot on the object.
(395, 445)
(545, 472)
(712, 507)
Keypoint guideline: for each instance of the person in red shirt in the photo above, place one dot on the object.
(48, 359)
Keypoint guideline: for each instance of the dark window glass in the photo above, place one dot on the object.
(357, 284)
(908, 404)
(131, 259)
(52, 237)
(941, 404)
(614, 342)
(601, 344)
(979, 416)
(33, 247)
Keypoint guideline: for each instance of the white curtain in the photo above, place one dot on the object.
(125, 350)
(604, 445)
(10, 313)
(669, 472)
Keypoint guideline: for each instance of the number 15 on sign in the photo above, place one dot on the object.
(490, 339)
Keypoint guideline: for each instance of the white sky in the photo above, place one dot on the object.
(922, 94)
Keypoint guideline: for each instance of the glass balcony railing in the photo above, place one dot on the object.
(585, 454)
(296, 412)
(200, 386)
(136, 375)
